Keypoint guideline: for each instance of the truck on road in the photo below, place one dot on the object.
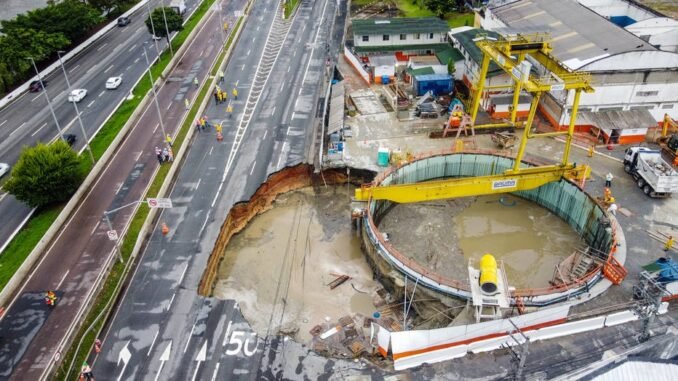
(652, 174)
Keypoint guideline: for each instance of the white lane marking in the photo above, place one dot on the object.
(169, 105)
(296, 103)
(211, 149)
(299, 92)
(137, 60)
(258, 27)
(128, 67)
(254, 39)
(216, 197)
(282, 87)
(73, 69)
(102, 93)
(293, 113)
(108, 69)
(181, 279)
(197, 185)
(265, 133)
(132, 48)
(288, 68)
(236, 83)
(153, 342)
(170, 302)
(119, 187)
(3, 122)
(204, 224)
(288, 130)
(102, 46)
(90, 104)
(228, 332)
(63, 278)
(253, 165)
(189, 338)
(216, 370)
(156, 128)
(248, 52)
(39, 128)
(138, 155)
(282, 151)
(273, 113)
(201, 53)
(37, 96)
(294, 53)
(17, 129)
(92, 68)
(243, 68)
(95, 228)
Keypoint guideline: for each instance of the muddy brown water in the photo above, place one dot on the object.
(290, 253)
(445, 235)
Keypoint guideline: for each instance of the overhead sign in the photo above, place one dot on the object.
(161, 203)
(558, 87)
(112, 235)
(504, 184)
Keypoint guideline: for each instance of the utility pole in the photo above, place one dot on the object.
(155, 95)
(520, 355)
(49, 103)
(77, 112)
(164, 16)
(649, 294)
(150, 16)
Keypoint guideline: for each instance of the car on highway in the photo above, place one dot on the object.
(70, 139)
(156, 37)
(4, 169)
(77, 95)
(35, 86)
(113, 82)
(123, 20)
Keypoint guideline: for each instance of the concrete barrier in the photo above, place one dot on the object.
(620, 318)
(84, 45)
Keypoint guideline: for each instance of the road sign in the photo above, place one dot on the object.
(160, 203)
(112, 235)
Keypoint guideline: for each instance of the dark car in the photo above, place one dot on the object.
(122, 21)
(70, 139)
(35, 86)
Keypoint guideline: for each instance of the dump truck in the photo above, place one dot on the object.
(178, 6)
(652, 174)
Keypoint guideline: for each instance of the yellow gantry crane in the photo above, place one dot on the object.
(509, 53)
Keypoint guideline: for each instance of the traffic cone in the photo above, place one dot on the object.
(220, 137)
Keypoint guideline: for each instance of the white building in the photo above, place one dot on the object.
(398, 33)
(628, 72)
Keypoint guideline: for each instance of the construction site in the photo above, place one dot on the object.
(433, 228)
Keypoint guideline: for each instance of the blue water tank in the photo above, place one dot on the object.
(385, 79)
(438, 84)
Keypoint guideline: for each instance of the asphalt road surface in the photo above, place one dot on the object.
(28, 120)
(169, 330)
(76, 260)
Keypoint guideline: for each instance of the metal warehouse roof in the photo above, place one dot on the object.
(617, 120)
(466, 40)
(578, 34)
(399, 25)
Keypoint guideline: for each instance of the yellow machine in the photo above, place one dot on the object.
(488, 274)
(510, 54)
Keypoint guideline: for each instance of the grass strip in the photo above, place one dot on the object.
(289, 7)
(24, 243)
(118, 272)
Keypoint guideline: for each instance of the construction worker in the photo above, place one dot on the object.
(235, 93)
(592, 149)
(669, 243)
(168, 139)
(218, 127)
(186, 103)
(195, 81)
(50, 298)
(608, 180)
(86, 372)
(612, 209)
(229, 110)
(221, 76)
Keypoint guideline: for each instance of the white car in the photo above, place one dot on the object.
(4, 169)
(77, 95)
(113, 83)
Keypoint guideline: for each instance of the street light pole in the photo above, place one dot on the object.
(150, 16)
(155, 95)
(164, 16)
(77, 112)
(49, 103)
(221, 22)
(117, 245)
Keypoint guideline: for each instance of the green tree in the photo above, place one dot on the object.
(174, 22)
(73, 18)
(45, 174)
(450, 67)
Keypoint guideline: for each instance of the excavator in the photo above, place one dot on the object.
(669, 143)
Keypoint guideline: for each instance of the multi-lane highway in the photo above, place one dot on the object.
(169, 331)
(79, 256)
(27, 119)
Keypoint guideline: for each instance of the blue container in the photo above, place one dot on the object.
(438, 84)
(385, 79)
(382, 157)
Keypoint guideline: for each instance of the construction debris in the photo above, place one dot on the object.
(338, 281)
